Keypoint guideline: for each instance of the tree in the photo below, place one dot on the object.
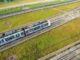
(5, 0)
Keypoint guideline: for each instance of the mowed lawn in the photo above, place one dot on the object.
(45, 43)
(19, 20)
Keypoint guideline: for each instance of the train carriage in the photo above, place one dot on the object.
(11, 38)
(26, 31)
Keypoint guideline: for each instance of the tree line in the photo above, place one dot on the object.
(5, 0)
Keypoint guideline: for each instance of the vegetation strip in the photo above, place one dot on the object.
(53, 54)
(25, 9)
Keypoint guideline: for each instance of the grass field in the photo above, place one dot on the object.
(24, 1)
(18, 20)
(4, 10)
(45, 43)
(30, 6)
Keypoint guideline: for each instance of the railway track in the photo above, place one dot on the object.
(37, 8)
(61, 19)
(68, 54)
(55, 21)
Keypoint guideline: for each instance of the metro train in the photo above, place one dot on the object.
(25, 32)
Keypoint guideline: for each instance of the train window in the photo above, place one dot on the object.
(22, 33)
(27, 31)
(9, 38)
(46, 24)
(1, 41)
(36, 27)
(17, 35)
(42, 26)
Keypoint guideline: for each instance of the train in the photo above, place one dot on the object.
(25, 32)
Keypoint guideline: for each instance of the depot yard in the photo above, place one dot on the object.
(18, 20)
(45, 43)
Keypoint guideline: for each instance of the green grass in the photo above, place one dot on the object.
(22, 1)
(9, 10)
(45, 43)
(15, 2)
(32, 6)
(14, 21)
(5, 11)
(45, 3)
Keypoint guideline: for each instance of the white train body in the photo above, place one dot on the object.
(26, 32)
